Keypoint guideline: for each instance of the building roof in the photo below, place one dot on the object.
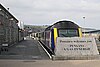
(2, 7)
(95, 31)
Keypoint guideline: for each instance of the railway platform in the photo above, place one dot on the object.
(29, 53)
(29, 49)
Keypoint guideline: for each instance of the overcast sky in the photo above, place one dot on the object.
(44, 12)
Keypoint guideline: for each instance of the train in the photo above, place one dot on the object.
(62, 28)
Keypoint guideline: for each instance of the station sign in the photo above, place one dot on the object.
(74, 46)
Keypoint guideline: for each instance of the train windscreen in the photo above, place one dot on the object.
(68, 33)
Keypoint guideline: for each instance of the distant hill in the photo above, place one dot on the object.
(35, 28)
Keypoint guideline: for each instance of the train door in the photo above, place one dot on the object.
(48, 38)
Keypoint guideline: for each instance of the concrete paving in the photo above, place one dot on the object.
(28, 49)
(49, 63)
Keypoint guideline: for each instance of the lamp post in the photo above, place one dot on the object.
(84, 24)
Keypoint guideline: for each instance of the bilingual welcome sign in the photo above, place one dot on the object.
(75, 46)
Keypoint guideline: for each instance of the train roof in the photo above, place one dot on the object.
(63, 24)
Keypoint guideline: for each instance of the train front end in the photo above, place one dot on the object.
(64, 29)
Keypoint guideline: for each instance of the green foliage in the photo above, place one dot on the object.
(35, 26)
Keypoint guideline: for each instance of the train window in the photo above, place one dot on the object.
(68, 33)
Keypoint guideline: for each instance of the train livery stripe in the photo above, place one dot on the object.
(52, 39)
(55, 35)
(80, 33)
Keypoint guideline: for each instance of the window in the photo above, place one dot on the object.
(68, 33)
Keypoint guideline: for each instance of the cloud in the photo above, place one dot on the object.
(48, 11)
